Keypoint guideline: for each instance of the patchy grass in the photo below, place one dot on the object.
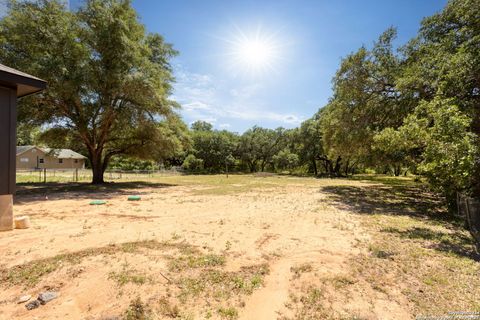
(217, 184)
(228, 313)
(128, 275)
(30, 273)
(388, 180)
(137, 310)
(299, 269)
(415, 245)
(222, 285)
(167, 309)
(415, 249)
(196, 278)
(309, 305)
(435, 265)
(342, 281)
(194, 259)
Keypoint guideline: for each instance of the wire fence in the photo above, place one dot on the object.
(469, 208)
(45, 175)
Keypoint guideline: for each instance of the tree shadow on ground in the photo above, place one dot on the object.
(407, 199)
(456, 241)
(389, 200)
(56, 190)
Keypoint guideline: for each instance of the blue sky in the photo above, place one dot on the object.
(310, 38)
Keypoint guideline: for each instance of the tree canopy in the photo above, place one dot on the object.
(108, 79)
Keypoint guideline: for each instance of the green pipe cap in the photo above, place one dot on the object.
(97, 202)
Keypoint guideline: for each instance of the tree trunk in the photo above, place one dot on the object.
(253, 166)
(314, 164)
(396, 170)
(262, 165)
(338, 164)
(98, 167)
(476, 168)
(347, 167)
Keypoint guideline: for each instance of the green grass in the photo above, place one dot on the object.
(128, 275)
(387, 179)
(195, 260)
(217, 184)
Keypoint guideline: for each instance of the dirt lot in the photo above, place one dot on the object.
(246, 247)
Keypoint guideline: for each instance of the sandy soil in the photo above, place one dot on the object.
(285, 226)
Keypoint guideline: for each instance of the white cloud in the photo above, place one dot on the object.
(205, 98)
(196, 105)
(246, 91)
(271, 116)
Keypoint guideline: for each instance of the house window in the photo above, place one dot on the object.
(23, 159)
(60, 160)
(40, 160)
(76, 160)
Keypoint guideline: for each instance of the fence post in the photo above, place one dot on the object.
(44, 175)
(76, 174)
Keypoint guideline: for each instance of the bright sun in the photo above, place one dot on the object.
(255, 53)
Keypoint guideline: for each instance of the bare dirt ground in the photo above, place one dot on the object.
(207, 247)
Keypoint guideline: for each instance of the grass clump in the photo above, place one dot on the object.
(194, 259)
(228, 313)
(128, 275)
(222, 285)
(309, 305)
(167, 309)
(303, 268)
(137, 310)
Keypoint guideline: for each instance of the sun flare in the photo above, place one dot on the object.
(254, 53)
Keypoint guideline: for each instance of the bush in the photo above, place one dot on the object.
(192, 163)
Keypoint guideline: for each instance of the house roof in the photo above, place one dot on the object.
(57, 153)
(24, 83)
(63, 153)
(22, 149)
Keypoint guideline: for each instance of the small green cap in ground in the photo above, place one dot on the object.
(134, 198)
(97, 202)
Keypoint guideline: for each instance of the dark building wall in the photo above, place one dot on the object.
(8, 118)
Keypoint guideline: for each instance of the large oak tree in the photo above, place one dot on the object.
(108, 79)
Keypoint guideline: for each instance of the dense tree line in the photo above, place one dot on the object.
(256, 150)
